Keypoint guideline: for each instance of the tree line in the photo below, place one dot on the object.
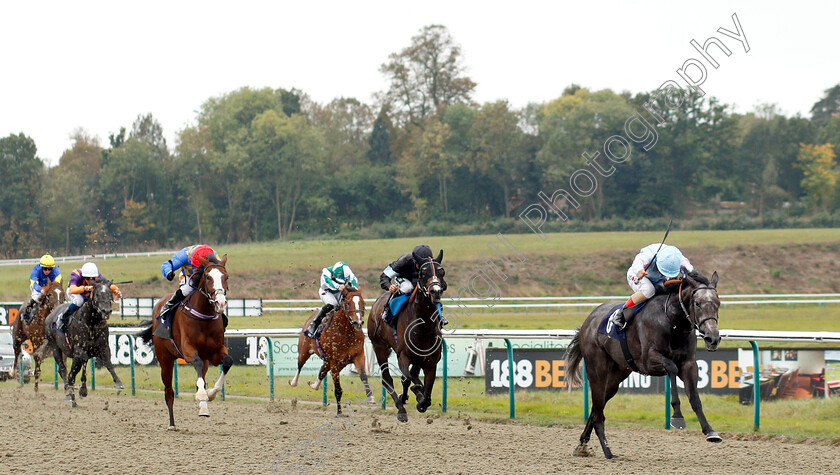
(261, 164)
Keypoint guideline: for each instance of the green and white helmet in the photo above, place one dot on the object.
(339, 274)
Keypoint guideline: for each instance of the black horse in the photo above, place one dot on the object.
(85, 336)
(661, 340)
(417, 340)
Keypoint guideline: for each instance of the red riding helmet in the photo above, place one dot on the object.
(201, 251)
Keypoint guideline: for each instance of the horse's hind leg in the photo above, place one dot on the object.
(325, 368)
(83, 389)
(336, 377)
(167, 364)
(18, 340)
(382, 359)
(689, 376)
(36, 360)
(303, 356)
(604, 379)
(359, 361)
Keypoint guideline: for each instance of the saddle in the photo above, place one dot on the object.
(325, 323)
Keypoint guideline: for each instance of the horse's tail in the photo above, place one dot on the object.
(573, 358)
(146, 334)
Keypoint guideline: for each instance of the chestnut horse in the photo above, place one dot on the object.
(51, 295)
(342, 342)
(198, 335)
(416, 339)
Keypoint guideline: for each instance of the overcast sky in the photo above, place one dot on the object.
(97, 65)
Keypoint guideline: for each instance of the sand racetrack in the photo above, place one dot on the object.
(110, 433)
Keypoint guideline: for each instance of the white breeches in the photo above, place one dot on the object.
(406, 287)
(75, 298)
(186, 284)
(328, 297)
(645, 286)
(35, 294)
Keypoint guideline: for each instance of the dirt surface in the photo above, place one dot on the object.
(125, 434)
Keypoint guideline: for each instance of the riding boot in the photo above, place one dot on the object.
(386, 314)
(163, 329)
(310, 331)
(62, 320)
(28, 312)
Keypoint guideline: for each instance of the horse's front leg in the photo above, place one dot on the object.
(201, 387)
(658, 363)
(83, 389)
(359, 361)
(105, 356)
(429, 382)
(325, 368)
(688, 373)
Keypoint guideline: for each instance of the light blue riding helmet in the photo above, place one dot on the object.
(669, 261)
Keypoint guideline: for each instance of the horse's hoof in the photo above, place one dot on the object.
(582, 451)
(83, 391)
(203, 411)
(172, 428)
(73, 403)
(402, 417)
(713, 437)
(678, 422)
(372, 401)
(120, 385)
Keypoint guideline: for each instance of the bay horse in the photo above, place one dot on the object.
(85, 336)
(198, 335)
(51, 295)
(342, 342)
(416, 338)
(662, 340)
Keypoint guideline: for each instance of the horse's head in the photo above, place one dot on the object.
(353, 304)
(431, 280)
(699, 300)
(213, 283)
(101, 298)
(51, 296)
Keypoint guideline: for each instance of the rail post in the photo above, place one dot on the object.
(667, 402)
(55, 375)
(756, 388)
(131, 341)
(93, 374)
(585, 391)
(325, 392)
(384, 396)
(511, 368)
(270, 370)
(20, 369)
(443, 388)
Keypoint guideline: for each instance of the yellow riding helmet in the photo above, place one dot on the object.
(47, 261)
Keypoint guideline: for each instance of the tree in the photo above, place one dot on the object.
(345, 124)
(20, 187)
(497, 150)
(820, 182)
(827, 107)
(426, 76)
(379, 143)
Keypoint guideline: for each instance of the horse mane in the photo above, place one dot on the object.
(696, 275)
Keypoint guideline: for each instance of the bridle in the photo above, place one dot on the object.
(345, 304)
(688, 316)
(203, 281)
(435, 280)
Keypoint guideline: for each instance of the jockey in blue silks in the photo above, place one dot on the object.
(44, 272)
(187, 260)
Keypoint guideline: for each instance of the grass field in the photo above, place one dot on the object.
(284, 269)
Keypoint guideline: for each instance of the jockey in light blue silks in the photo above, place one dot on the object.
(647, 271)
(44, 272)
(187, 260)
(333, 281)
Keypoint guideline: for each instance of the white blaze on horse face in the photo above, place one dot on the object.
(218, 290)
(357, 305)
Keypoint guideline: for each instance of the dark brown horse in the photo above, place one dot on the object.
(416, 339)
(342, 342)
(51, 295)
(198, 336)
(662, 340)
